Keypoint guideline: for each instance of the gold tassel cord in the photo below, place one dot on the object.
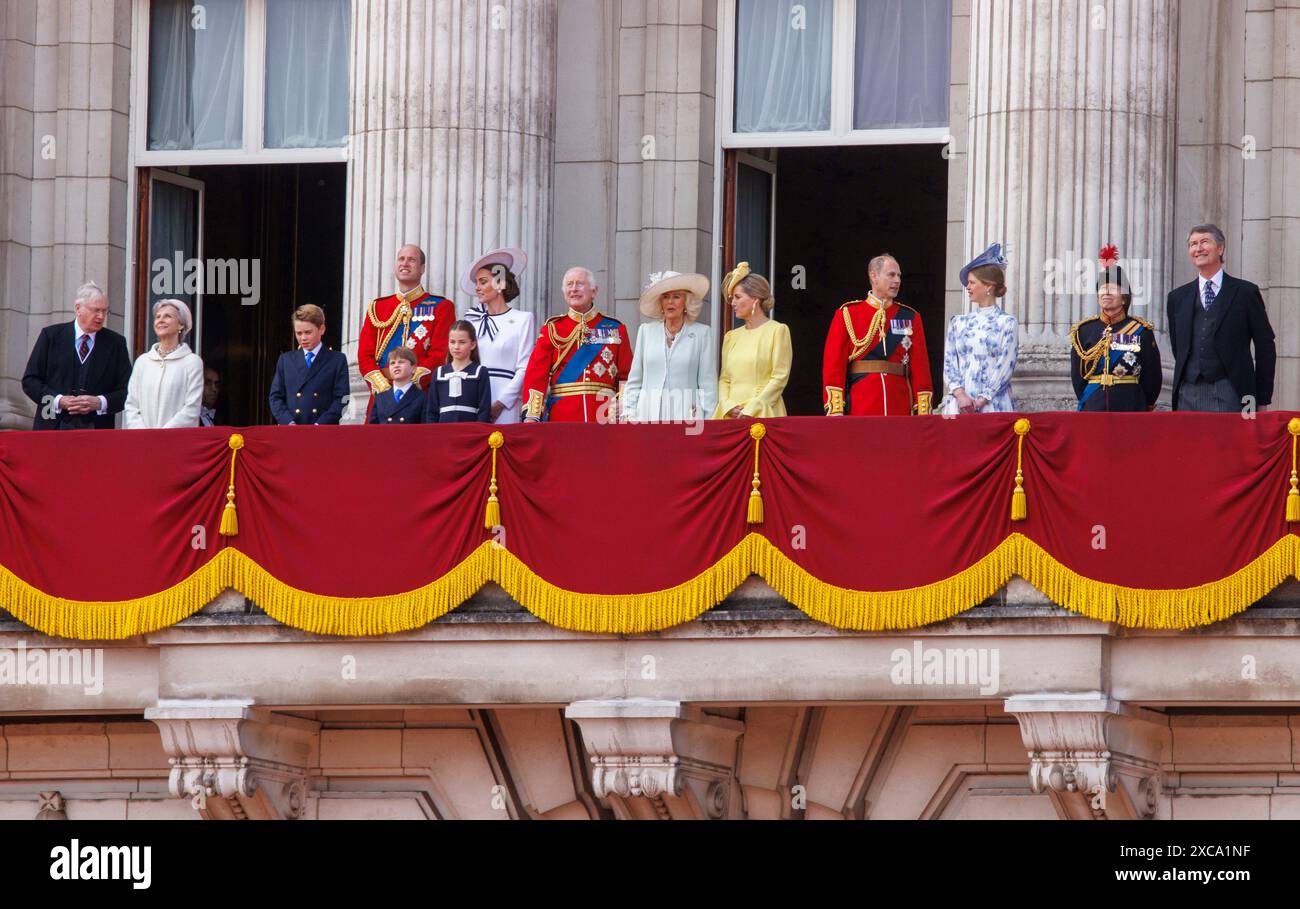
(229, 517)
(492, 515)
(1293, 497)
(1019, 501)
(754, 514)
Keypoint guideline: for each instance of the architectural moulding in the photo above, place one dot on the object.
(1096, 758)
(235, 762)
(660, 759)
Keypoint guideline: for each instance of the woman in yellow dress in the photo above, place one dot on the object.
(755, 357)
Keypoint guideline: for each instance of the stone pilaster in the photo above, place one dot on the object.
(451, 146)
(64, 98)
(1071, 142)
(660, 759)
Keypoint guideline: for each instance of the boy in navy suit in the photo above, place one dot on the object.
(404, 402)
(311, 384)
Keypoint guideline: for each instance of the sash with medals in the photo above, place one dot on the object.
(1127, 340)
(593, 346)
(410, 334)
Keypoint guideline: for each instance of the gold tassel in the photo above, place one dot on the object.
(755, 512)
(492, 516)
(1293, 496)
(1019, 501)
(229, 517)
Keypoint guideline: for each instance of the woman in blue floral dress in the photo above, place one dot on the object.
(980, 351)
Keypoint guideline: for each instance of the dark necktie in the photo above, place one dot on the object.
(1209, 295)
(84, 350)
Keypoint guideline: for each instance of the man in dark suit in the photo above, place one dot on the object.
(311, 384)
(78, 371)
(1213, 321)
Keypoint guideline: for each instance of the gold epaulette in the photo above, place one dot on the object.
(910, 309)
(1074, 329)
(1143, 322)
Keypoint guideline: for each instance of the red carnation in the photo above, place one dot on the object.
(1109, 256)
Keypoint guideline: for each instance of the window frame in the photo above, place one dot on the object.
(252, 151)
(843, 76)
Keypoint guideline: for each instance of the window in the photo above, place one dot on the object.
(242, 81)
(835, 72)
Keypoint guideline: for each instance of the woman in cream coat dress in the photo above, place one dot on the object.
(674, 378)
(166, 386)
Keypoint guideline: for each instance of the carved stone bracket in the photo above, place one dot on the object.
(233, 761)
(1095, 758)
(660, 759)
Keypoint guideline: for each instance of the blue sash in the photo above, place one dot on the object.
(421, 313)
(1115, 357)
(583, 356)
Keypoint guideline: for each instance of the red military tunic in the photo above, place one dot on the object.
(577, 368)
(876, 363)
(417, 320)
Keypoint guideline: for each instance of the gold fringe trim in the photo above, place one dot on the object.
(839, 607)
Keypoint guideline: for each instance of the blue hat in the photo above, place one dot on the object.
(991, 256)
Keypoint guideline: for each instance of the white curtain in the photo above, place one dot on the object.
(307, 53)
(173, 229)
(196, 74)
(783, 65)
(903, 55)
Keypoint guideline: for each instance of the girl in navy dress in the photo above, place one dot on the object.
(461, 391)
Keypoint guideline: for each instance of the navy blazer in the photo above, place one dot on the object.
(310, 396)
(52, 370)
(1244, 321)
(409, 410)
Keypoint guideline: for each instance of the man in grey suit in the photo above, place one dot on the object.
(1213, 323)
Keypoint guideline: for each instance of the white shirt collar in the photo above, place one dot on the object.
(315, 350)
(403, 388)
(78, 332)
(1218, 283)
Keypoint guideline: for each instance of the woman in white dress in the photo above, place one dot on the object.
(166, 386)
(981, 347)
(674, 376)
(505, 336)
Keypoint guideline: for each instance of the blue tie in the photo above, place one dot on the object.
(311, 355)
(1209, 295)
(397, 395)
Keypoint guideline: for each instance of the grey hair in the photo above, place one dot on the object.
(591, 276)
(1213, 231)
(87, 292)
(876, 264)
(182, 313)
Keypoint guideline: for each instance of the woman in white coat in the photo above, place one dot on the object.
(505, 336)
(166, 386)
(674, 376)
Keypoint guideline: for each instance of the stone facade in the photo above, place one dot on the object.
(589, 135)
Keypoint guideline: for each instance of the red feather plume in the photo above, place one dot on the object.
(1109, 256)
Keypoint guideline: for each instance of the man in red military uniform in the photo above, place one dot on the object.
(581, 361)
(412, 318)
(876, 362)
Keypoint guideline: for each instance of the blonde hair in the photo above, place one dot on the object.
(758, 287)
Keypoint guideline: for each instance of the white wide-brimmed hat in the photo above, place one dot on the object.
(696, 286)
(514, 259)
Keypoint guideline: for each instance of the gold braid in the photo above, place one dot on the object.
(875, 331)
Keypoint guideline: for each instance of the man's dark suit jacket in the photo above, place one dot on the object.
(306, 396)
(53, 369)
(1244, 321)
(409, 410)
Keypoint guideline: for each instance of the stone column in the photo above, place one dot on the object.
(63, 172)
(452, 140)
(1071, 147)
